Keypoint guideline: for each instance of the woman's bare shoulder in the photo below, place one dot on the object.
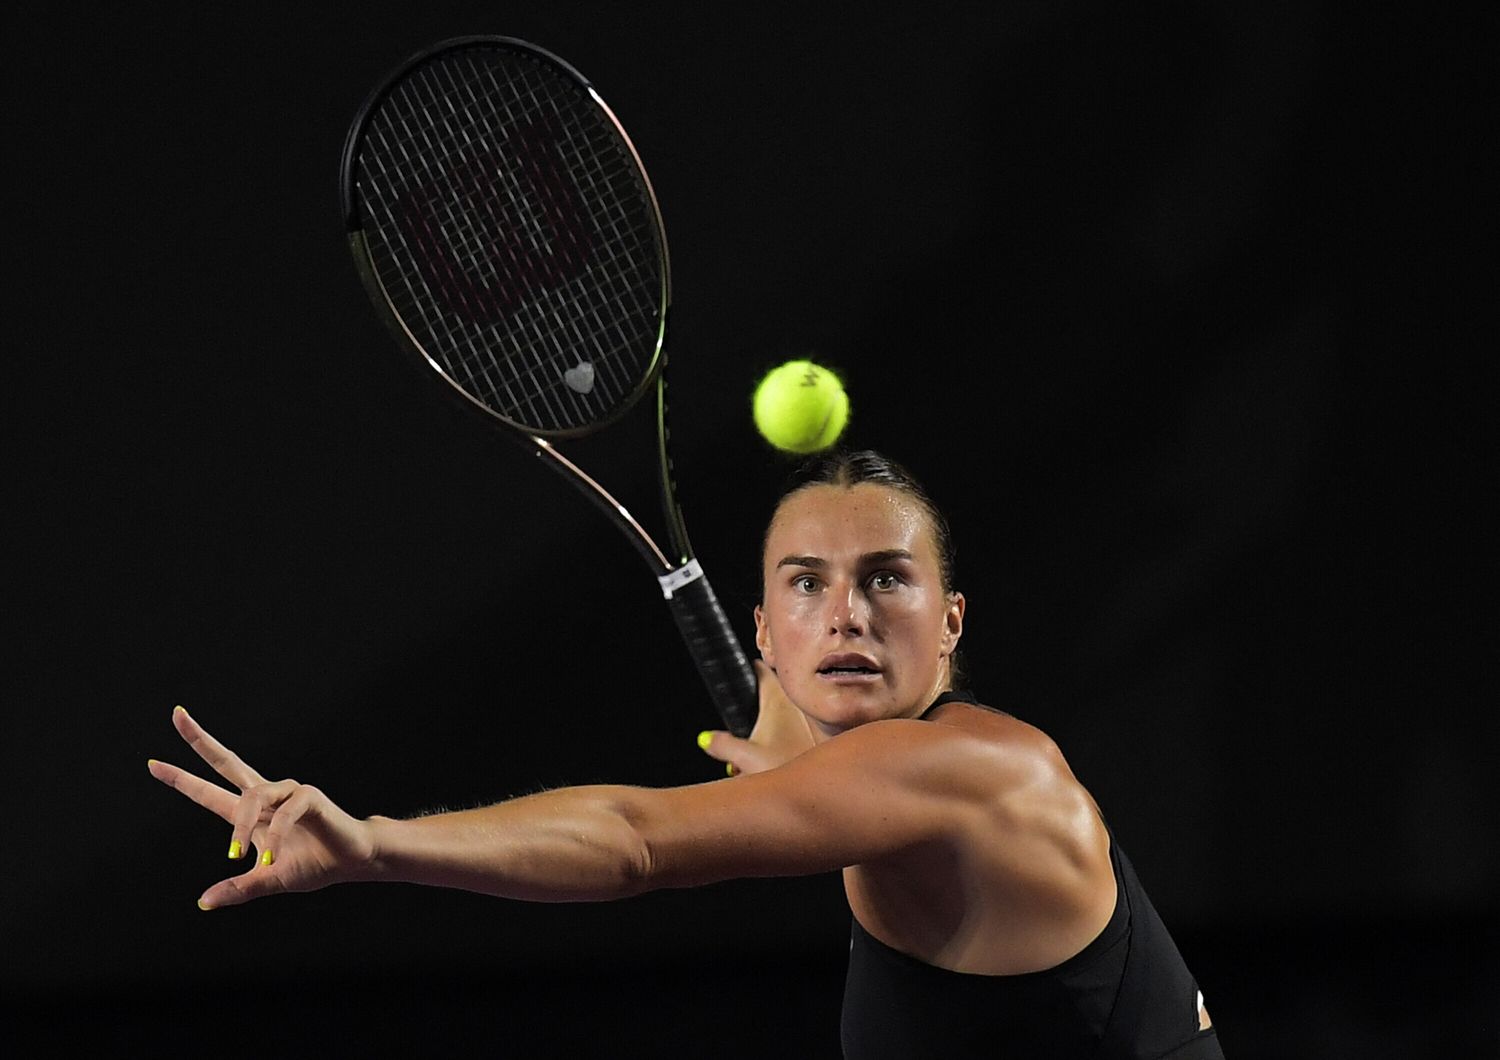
(1009, 736)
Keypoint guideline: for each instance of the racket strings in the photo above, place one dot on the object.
(507, 214)
(419, 154)
(466, 240)
(467, 261)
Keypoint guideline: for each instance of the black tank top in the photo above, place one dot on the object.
(1127, 994)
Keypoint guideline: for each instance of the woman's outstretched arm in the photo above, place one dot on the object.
(868, 793)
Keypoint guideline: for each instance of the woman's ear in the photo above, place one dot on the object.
(953, 622)
(763, 638)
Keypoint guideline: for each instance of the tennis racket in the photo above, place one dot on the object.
(507, 232)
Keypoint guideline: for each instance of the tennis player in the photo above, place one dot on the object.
(994, 915)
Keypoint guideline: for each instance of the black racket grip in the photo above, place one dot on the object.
(717, 651)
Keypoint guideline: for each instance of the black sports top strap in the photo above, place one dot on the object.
(949, 696)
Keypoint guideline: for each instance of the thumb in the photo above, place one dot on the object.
(237, 890)
(741, 755)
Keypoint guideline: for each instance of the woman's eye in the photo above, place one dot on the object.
(805, 583)
(884, 580)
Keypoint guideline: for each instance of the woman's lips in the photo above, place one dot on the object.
(848, 668)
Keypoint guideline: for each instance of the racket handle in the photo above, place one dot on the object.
(716, 650)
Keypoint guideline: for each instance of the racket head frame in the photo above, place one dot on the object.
(355, 228)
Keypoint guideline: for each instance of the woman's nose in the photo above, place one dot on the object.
(847, 611)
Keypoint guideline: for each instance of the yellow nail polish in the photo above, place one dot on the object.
(266, 857)
(729, 768)
(179, 707)
(236, 851)
(704, 739)
(204, 905)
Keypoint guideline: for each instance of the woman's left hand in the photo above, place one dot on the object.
(302, 840)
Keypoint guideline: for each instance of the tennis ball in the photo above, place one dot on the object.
(800, 407)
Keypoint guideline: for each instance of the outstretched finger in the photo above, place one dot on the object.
(210, 796)
(224, 761)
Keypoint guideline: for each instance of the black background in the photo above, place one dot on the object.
(1175, 309)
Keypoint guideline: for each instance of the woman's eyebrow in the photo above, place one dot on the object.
(802, 561)
(885, 555)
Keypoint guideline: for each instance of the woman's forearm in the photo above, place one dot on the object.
(570, 845)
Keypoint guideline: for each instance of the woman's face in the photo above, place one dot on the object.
(854, 618)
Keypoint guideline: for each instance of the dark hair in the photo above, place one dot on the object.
(844, 467)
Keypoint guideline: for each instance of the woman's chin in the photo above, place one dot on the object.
(843, 703)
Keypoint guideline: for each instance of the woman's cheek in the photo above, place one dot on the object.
(804, 609)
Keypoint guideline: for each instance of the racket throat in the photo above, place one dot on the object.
(602, 499)
(671, 511)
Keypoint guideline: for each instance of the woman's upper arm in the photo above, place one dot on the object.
(867, 793)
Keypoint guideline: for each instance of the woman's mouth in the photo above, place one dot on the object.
(848, 667)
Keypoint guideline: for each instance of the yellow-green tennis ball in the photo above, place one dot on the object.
(801, 407)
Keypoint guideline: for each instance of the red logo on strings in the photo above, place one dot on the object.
(504, 226)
